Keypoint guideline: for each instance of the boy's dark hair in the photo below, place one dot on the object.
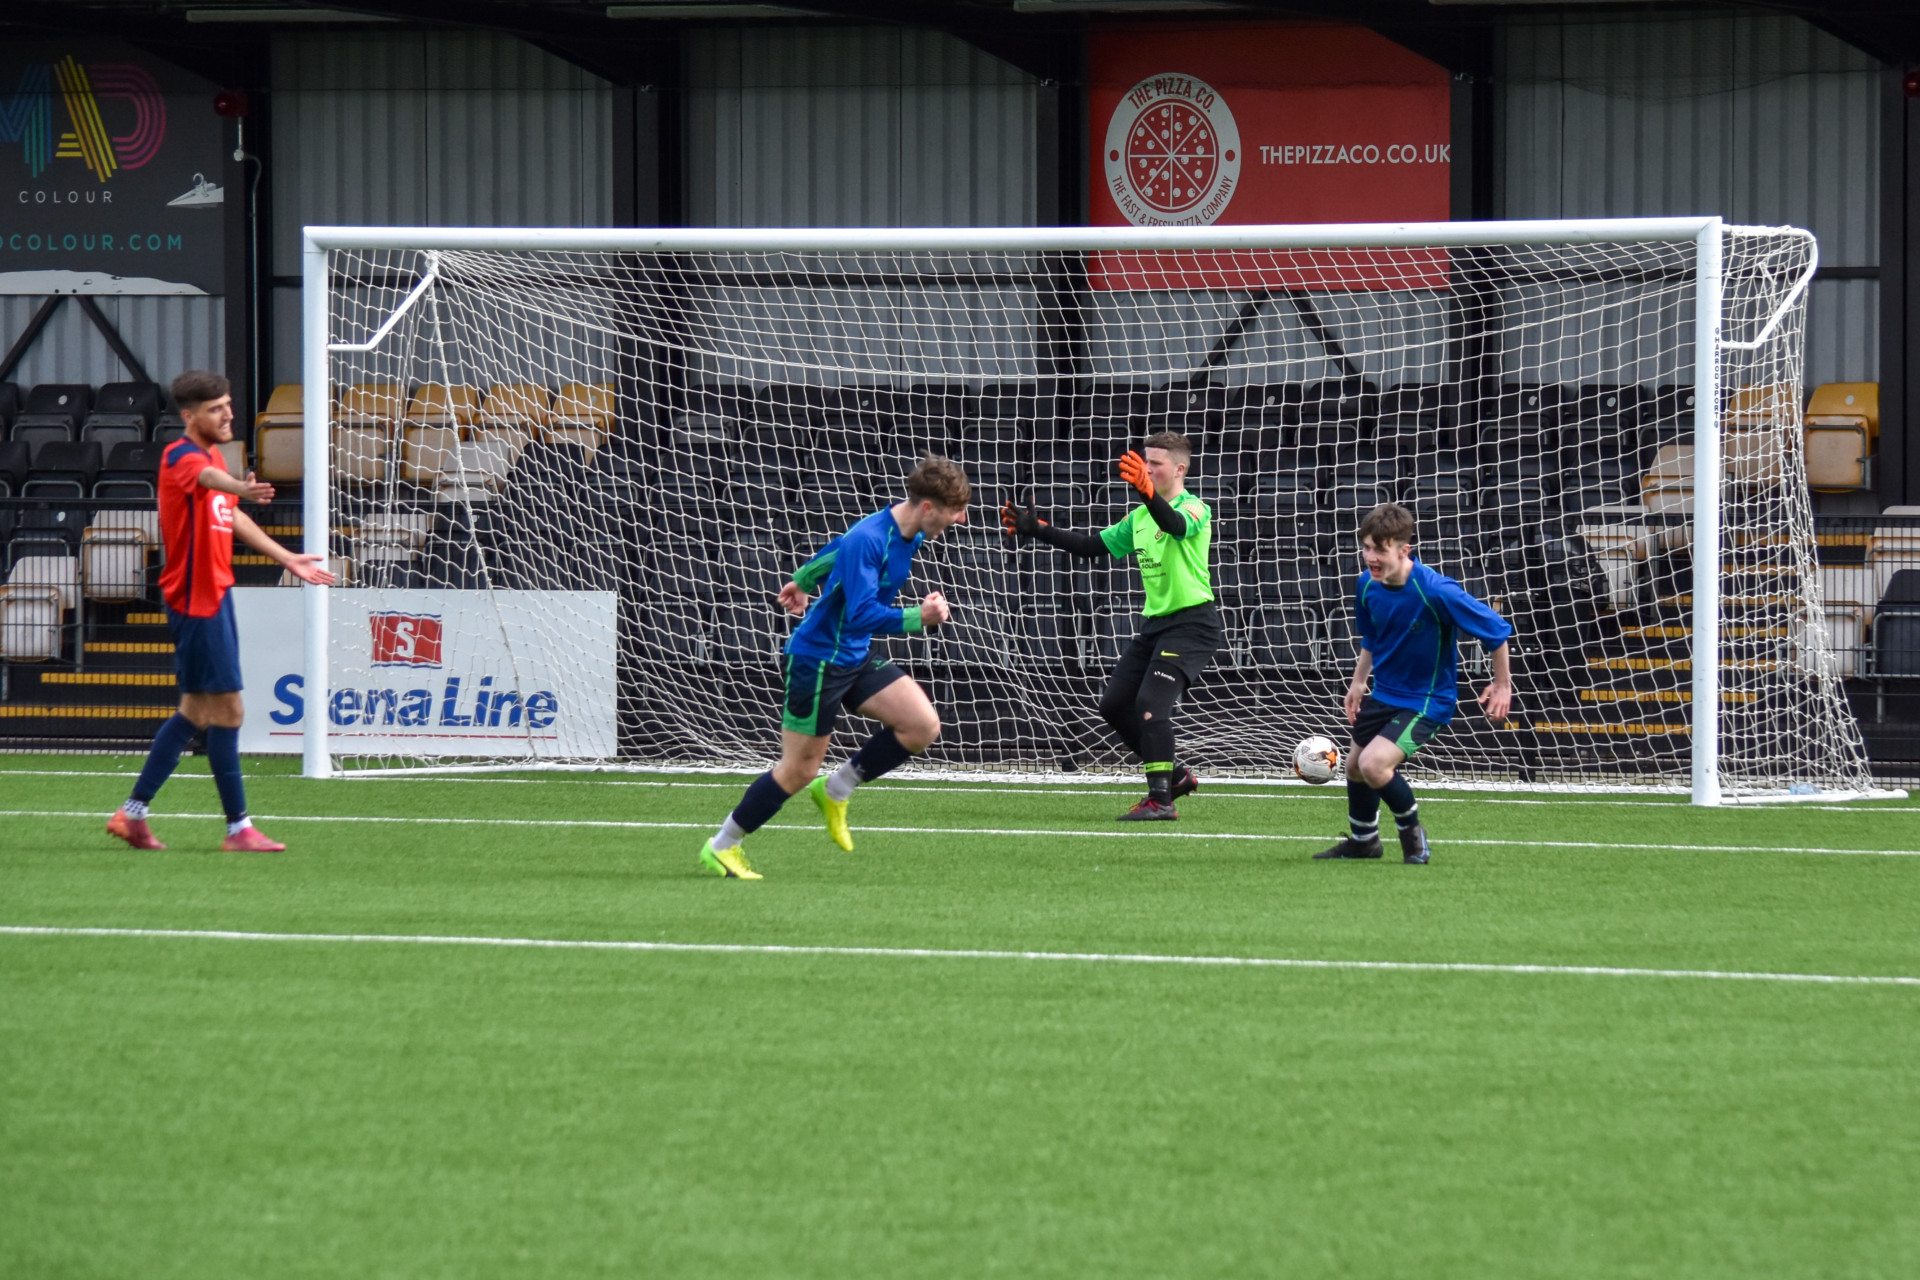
(1173, 442)
(1388, 522)
(939, 481)
(196, 387)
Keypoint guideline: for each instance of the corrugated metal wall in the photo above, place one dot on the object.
(168, 335)
(883, 127)
(428, 129)
(1759, 119)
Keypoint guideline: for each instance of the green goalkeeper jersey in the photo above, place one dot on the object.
(1174, 570)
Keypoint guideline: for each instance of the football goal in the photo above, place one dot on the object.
(565, 472)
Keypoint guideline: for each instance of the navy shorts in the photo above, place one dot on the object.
(816, 691)
(1406, 729)
(206, 651)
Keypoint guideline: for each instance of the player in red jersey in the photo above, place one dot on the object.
(199, 516)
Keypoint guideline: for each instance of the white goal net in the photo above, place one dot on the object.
(569, 470)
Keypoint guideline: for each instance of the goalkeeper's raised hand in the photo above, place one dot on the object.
(1133, 469)
(1020, 522)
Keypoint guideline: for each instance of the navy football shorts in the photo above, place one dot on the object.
(206, 651)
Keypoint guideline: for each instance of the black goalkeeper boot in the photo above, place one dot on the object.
(1351, 848)
(1184, 783)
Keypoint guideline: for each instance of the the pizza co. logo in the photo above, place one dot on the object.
(405, 639)
(66, 89)
(1173, 153)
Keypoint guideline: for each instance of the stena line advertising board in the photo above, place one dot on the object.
(1257, 123)
(449, 673)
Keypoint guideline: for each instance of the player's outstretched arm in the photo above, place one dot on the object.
(1133, 469)
(306, 567)
(249, 489)
(1025, 522)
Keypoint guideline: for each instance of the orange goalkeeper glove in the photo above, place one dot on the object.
(1133, 469)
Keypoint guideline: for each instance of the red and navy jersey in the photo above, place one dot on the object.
(196, 524)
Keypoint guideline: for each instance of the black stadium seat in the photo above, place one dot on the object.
(69, 400)
(9, 405)
(16, 459)
(63, 470)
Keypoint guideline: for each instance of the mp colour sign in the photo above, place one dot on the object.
(110, 166)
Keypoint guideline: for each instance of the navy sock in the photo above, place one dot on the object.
(1399, 798)
(762, 801)
(881, 754)
(223, 757)
(1363, 810)
(172, 739)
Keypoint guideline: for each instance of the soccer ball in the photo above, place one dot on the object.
(1315, 759)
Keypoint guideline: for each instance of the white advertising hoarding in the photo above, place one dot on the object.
(448, 673)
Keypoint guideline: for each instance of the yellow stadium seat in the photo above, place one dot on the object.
(280, 452)
(436, 404)
(360, 454)
(234, 454)
(587, 404)
(503, 442)
(1770, 405)
(371, 402)
(426, 452)
(1848, 401)
(518, 404)
(288, 397)
(1754, 459)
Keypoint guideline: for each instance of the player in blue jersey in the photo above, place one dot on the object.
(827, 665)
(1408, 617)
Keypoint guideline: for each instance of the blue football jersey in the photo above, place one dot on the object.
(857, 576)
(1412, 633)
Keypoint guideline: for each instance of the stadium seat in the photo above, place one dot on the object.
(37, 430)
(280, 451)
(1893, 547)
(113, 554)
(1620, 541)
(287, 398)
(1285, 636)
(30, 618)
(234, 454)
(63, 470)
(1667, 486)
(360, 453)
(426, 453)
(1896, 626)
(67, 400)
(1850, 592)
(1347, 400)
(583, 415)
(1842, 431)
(747, 632)
(1754, 459)
(370, 403)
(16, 460)
(1768, 405)
(435, 404)
(517, 404)
(9, 405)
(130, 471)
(122, 405)
(42, 567)
(674, 630)
(169, 428)
(108, 430)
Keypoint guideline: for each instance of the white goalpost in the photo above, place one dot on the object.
(563, 473)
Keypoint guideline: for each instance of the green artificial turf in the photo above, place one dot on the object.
(209, 1107)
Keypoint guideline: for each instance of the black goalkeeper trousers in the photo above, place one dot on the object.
(1153, 673)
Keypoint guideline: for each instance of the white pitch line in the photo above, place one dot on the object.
(1238, 791)
(980, 831)
(934, 953)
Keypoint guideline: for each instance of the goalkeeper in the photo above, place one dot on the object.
(1170, 534)
(827, 665)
